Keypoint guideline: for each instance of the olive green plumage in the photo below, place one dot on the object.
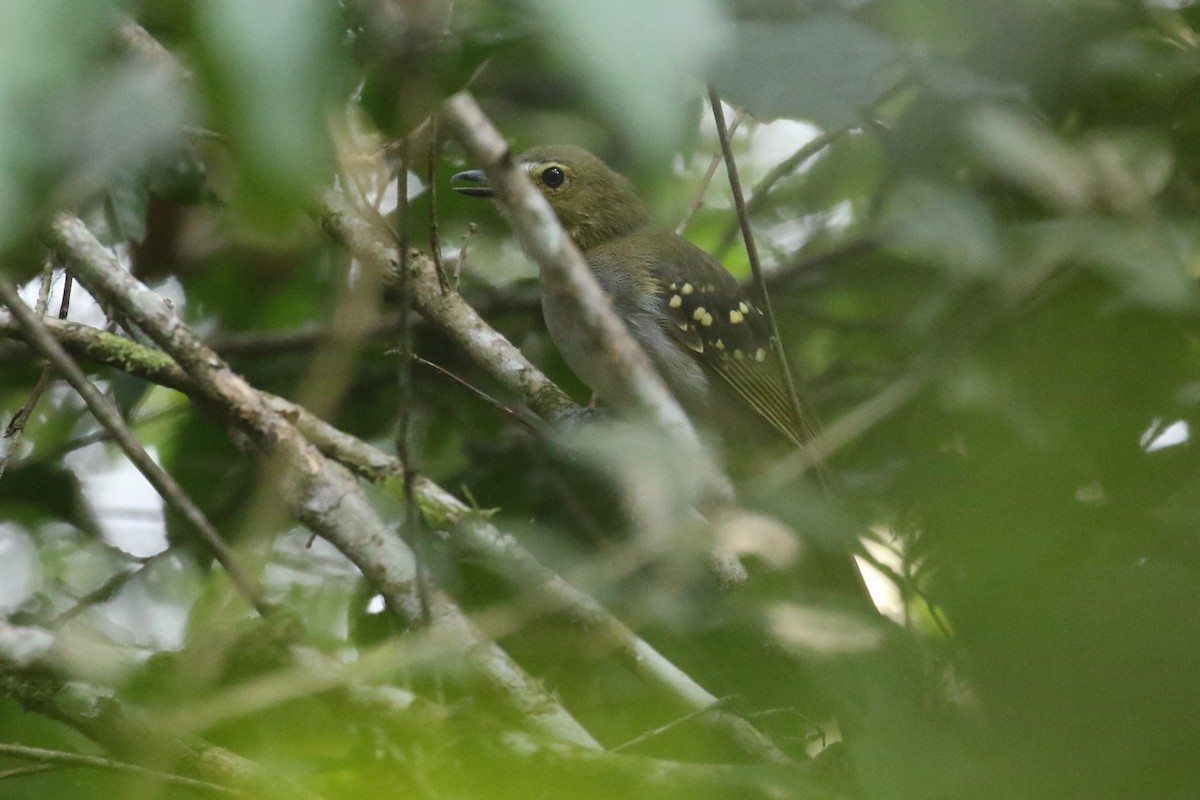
(685, 309)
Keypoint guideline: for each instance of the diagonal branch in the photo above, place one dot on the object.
(762, 190)
(43, 756)
(320, 493)
(500, 550)
(739, 201)
(30, 675)
(108, 416)
(371, 243)
(637, 388)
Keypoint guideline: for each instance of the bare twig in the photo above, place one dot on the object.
(412, 519)
(100, 594)
(371, 242)
(500, 550)
(472, 228)
(31, 769)
(661, 729)
(15, 430)
(526, 420)
(301, 337)
(739, 201)
(320, 493)
(435, 242)
(848, 427)
(792, 273)
(762, 189)
(702, 189)
(59, 757)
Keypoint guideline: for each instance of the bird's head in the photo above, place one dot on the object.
(593, 203)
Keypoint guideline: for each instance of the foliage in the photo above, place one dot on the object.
(985, 281)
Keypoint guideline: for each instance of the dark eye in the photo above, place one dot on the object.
(553, 177)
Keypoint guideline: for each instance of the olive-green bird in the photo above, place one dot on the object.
(700, 329)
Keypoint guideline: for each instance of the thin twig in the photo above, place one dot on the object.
(762, 189)
(500, 550)
(472, 229)
(435, 243)
(739, 202)
(661, 729)
(102, 593)
(848, 427)
(526, 420)
(412, 520)
(31, 769)
(108, 416)
(702, 189)
(60, 757)
(301, 337)
(790, 274)
(15, 430)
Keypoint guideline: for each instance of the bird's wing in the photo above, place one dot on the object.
(729, 334)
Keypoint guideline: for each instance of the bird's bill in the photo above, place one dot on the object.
(472, 176)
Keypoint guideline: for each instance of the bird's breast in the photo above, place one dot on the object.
(645, 320)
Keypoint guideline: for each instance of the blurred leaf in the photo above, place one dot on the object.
(125, 211)
(939, 225)
(828, 69)
(272, 74)
(1025, 153)
(35, 493)
(45, 50)
(638, 59)
(953, 79)
(19, 573)
(1149, 262)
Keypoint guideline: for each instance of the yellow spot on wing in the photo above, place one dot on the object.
(745, 309)
(687, 288)
(699, 313)
(676, 301)
(735, 317)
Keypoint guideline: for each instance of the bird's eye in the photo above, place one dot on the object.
(553, 177)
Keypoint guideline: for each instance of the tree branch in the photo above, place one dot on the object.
(41, 755)
(29, 675)
(501, 551)
(108, 416)
(320, 493)
(639, 391)
(762, 190)
(371, 242)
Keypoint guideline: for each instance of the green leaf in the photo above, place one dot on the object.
(45, 50)
(1148, 261)
(943, 226)
(639, 60)
(828, 69)
(271, 70)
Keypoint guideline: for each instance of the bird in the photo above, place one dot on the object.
(708, 339)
